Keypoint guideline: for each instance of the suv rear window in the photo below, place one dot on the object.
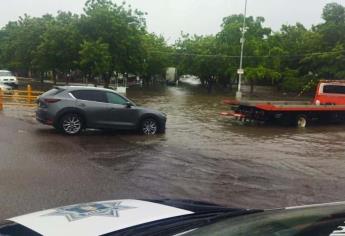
(53, 92)
(334, 89)
(90, 95)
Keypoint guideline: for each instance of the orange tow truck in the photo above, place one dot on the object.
(328, 106)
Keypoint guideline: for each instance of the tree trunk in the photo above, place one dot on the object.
(252, 86)
(42, 77)
(210, 84)
(66, 78)
(146, 80)
(106, 80)
(230, 84)
(54, 77)
(203, 81)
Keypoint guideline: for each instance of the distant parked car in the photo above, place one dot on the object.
(6, 77)
(190, 79)
(6, 89)
(74, 108)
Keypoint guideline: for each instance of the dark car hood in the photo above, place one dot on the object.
(119, 217)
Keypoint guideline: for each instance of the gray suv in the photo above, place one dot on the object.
(73, 108)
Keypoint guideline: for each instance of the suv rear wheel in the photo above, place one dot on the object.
(71, 124)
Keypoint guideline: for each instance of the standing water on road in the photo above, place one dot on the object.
(204, 156)
(208, 157)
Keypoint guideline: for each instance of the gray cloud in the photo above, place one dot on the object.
(170, 17)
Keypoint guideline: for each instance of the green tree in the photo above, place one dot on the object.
(260, 73)
(19, 40)
(95, 58)
(197, 56)
(59, 46)
(328, 63)
(256, 43)
(157, 56)
(122, 28)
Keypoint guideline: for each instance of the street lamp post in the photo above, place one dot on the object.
(240, 70)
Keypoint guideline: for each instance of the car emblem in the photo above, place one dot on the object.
(82, 211)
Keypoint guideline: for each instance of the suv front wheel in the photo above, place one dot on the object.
(71, 124)
(149, 126)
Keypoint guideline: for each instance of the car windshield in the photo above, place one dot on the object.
(5, 73)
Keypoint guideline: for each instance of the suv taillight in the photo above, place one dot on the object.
(51, 100)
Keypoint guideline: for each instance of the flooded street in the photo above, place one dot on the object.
(202, 156)
(209, 157)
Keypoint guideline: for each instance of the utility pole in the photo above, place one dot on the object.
(240, 71)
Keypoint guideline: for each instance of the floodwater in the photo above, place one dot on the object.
(204, 156)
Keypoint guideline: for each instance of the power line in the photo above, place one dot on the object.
(251, 56)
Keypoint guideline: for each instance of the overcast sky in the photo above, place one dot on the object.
(170, 17)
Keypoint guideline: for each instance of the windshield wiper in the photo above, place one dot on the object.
(184, 223)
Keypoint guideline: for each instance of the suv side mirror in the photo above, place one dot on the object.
(129, 105)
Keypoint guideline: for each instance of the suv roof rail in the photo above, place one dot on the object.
(332, 81)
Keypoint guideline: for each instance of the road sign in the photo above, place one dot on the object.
(240, 71)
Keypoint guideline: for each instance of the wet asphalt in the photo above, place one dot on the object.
(40, 169)
(201, 157)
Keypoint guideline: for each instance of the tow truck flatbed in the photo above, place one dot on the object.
(327, 106)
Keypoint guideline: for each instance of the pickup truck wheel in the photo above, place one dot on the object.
(301, 121)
